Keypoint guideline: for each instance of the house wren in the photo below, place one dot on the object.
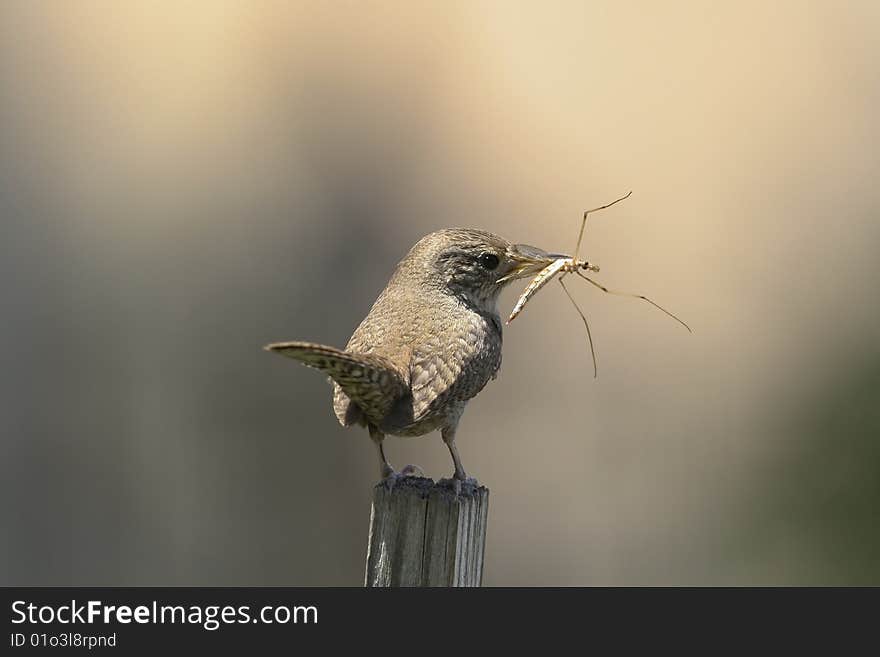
(430, 343)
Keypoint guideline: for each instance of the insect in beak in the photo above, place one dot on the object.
(548, 265)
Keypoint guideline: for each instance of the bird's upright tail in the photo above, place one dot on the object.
(368, 380)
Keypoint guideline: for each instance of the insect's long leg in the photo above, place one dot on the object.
(634, 296)
(586, 323)
(584, 222)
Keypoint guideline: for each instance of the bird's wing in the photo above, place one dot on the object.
(454, 365)
(371, 382)
(433, 372)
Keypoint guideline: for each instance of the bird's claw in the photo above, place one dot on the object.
(390, 477)
(457, 484)
(412, 470)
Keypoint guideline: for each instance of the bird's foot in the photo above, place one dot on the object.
(412, 470)
(391, 478)
(460, 484)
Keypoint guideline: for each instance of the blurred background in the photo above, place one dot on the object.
(181, 183)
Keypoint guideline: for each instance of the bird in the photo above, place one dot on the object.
(429, 344)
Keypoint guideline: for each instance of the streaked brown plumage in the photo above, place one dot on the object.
(431, 341)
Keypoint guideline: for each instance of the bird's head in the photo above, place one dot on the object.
(472, 263)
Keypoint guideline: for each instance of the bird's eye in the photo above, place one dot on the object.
(488, 261)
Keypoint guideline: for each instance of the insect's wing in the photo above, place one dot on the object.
(544, 276)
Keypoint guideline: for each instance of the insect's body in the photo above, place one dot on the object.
(560, 266)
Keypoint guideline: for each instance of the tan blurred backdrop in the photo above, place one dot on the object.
(181, 183)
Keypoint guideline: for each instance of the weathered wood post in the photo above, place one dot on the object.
(423, 534)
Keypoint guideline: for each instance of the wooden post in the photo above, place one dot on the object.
(423, 534)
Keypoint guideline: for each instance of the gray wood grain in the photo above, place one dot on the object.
(423, 534)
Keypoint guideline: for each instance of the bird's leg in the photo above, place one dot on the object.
(448, 435)
(377, 437)
(459, 477)
(389, 476)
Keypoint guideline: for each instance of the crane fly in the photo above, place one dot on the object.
(562, 265)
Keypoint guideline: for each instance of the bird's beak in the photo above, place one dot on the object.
(527, 261)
